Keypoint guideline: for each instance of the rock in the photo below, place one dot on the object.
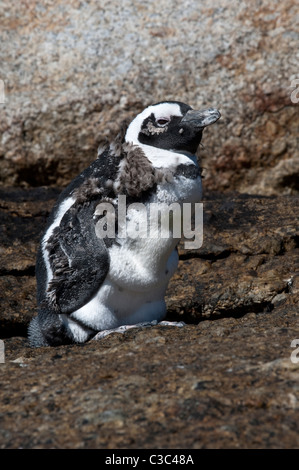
(229, 385)
(85, 67)
(228, 379)
(256, 239)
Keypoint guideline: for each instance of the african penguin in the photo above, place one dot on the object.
(88, 283)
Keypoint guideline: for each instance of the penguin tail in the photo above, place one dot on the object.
(35, 335)
(47, 329)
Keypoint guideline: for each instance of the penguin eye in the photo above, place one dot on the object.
(162, 122)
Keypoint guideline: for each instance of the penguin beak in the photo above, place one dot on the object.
(202, 118)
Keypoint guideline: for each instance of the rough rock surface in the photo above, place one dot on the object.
(248, 262)
(72, 72)
(226, 379)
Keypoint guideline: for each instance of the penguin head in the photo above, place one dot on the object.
(170, 125)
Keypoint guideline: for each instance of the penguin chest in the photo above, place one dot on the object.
(143, 265)
(150, 233)
(182, 190)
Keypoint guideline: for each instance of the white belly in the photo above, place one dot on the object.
(130, 293)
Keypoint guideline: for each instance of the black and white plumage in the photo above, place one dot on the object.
(87, 284)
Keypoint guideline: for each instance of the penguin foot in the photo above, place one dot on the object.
(123, 328)
(172, 323)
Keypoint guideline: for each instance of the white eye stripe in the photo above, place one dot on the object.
(163, 109)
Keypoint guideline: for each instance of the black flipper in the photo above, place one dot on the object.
(78, 258)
